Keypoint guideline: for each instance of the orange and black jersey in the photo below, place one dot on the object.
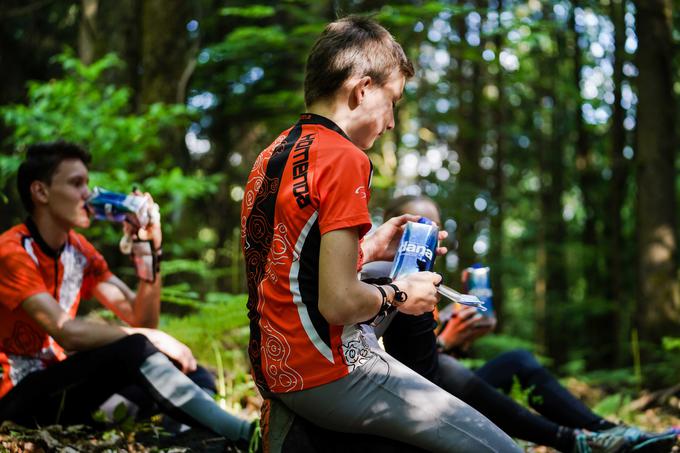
(309, 181)
(28, 267)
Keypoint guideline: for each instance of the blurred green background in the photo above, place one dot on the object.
(546, 131)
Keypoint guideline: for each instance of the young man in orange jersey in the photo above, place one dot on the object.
(304, 220)
(46, 269)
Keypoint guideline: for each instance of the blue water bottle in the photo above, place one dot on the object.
(477, 282)
(417, 248)
(119, 207)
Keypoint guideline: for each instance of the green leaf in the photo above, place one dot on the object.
(671, 343)
(120, 412)
(252, 12)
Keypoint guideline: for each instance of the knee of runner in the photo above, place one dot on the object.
(203, 379)
(136, 348)
(523, 360)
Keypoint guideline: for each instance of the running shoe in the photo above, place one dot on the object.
(642, 441)
(602, 442)
(659, 443)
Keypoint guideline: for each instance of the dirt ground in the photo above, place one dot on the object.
(650, 412)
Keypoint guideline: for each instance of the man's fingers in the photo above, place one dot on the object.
(438, 278)
(466, 313)
(190, 361)
(402, 219)
(469, 323)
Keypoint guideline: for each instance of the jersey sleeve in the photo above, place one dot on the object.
(20, 280)
(343, 189)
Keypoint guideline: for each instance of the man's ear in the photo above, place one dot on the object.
(359, 91)
(39, 192)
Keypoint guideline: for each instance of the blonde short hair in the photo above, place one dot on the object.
(352, 46)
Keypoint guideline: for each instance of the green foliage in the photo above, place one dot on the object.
(252, 12)
(122, 423)
(217, 332)
(573, 367)
(614, 405)
(523, 396)
(126, 146)
(244, 40)
(407, 15)
(614, 378)
(8, 168)
(671, 343)
(490, 346)
(81, 108)
(251, 66)
(222, 318)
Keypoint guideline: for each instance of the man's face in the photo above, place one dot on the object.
(67, 193)
(376, 111)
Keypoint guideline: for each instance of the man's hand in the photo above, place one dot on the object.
(421, 291)
(150, 232)
(382, 244)
(464, 327)
(174, 349)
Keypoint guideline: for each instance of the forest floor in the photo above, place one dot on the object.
(220, 331)
(652, 411)
(149, 437)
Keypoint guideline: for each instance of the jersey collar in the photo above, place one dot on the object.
(35, 234)
(313, 118)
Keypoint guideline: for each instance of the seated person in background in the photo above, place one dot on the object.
(565, 422)
(57, 368)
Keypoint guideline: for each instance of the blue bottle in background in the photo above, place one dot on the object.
(477, 282)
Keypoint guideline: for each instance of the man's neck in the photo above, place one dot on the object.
(335, 112)
(52, 233)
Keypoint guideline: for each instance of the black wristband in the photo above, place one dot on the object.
(385, 307)
(382, 293)
(146, 259)
(399, 296)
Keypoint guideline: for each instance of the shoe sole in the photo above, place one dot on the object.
(663, 444)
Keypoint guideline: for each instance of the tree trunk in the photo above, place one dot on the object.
(587, 179)
(87, 30)
(658, 310)
(552, 188)
(168, 60)
(167, 55)
(468, 146)
(497, 193)
(152, 40)
(112, 27)
(617, 314)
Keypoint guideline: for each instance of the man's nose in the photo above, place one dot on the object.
(390, 124)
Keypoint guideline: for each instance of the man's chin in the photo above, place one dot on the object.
(83, 223)
(366, 146)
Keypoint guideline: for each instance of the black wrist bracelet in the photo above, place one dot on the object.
(146, 259)
(385, 307)
(399, 296)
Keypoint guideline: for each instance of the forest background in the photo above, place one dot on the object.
(546, 131)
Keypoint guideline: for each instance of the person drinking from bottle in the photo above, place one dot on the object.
(56, 368)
